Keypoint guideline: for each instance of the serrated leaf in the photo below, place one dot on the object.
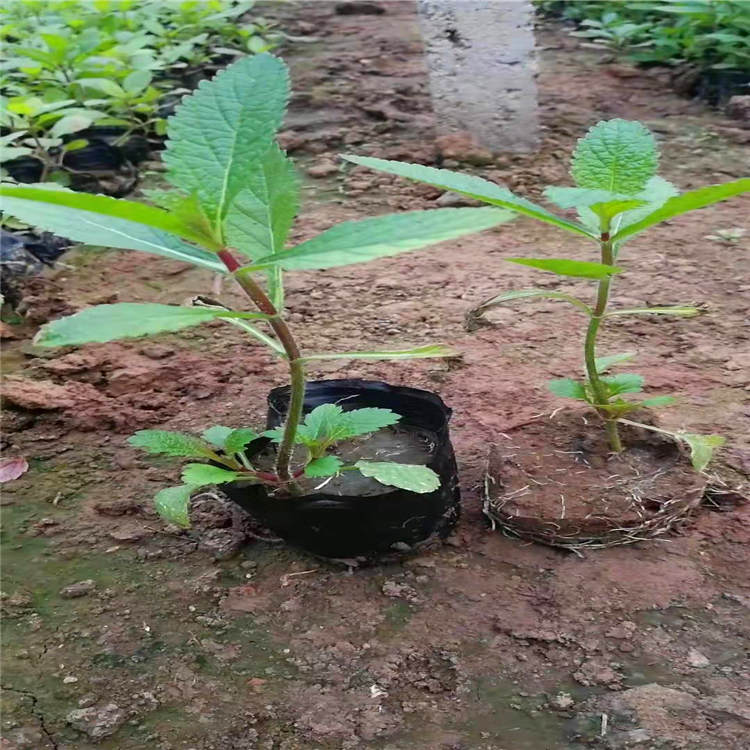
(199, 475)
(323, 422)
(238, 439)
(217, 435)
(173, 503)
(625, 382)
(701, 447)
(224, 127)
(170, 443)
(658, 401)
(103, 221)
(470, 186)
(615, 155)
(568, 388)
(690, 201)
(685, 311)
(326, 466)
(562, 267)
(126, 320)
(366, 420)
(604, 363)
(419, 352)
(382, 236)
(412, 477)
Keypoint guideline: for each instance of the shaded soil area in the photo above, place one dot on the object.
(123, 633)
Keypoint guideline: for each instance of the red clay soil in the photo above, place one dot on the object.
(215, 640)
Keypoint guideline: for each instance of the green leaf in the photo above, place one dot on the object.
(109, 222)
(420, 352)
(701, 447)
(577, 268)
(199, 475)
(238, 439)
(473, 187)
(324, 422)
(609, 209)
(615, 155)
(326, 466)
(685, 311)
(382, 236)
(681, 204)
(137, 81)
(172, 504)
(126, 320)
(572, 197)
(604, 363)
(223, 128)
(568, 388)
(217, 435)
(105, 85)
(412, 477)
(260, 216)
(625, 382)
(170, 443)
(70, 124)
(367, 420)
(658, 401)
(517, 294)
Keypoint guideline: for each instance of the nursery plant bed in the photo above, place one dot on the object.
(352, 516)
(554, 480)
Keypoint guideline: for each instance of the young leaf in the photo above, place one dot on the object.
(568, 388)
(615, 155)
(412, 477)
(326, 466)
(701, 447)
(681, 204)
(625, 382)
(125, 320)
(382, 236)
(572, 197)
(172, 504)
(170, 443)
(658, 401)
(420, 352)
(581, 269)
(225, 126)
(604, 363)
(324, 422)
(686, 311)
(238, 439)
(363, 421)
(217, 435)
(199, 475)
(526, 294)
(473, 187)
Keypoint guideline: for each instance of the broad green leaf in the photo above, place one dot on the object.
(681, 204)
(701, 447)
(581, 269)
(172, 504)
(326, 466)
(420, 352)
(366, 420)
(685, 311)
(126, 320)
(238, 439)
(137, 81)
(382, 236)
(568, 388)
(170, 443)
(658, 401)
(70, 124)
(473, 187)
(604, 363)
(71, 219)
(573, 197)
(217, 435)
(527, 294)
(625, 382)
(260, 216)
(199, 475)
(412, 477)
(615, 155)
(105, 85)
(656, 193)
(223, 128)
(324, 422)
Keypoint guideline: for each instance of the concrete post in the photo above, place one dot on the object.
(480, 55)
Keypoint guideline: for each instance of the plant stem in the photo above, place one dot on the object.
(598, 388)
(296, 363)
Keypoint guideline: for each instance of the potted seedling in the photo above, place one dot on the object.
(575, 480)
(346, 468)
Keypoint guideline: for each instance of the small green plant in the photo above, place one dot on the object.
(617, 196)
(236, 194)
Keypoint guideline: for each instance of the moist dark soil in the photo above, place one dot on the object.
(557, 477)
(212, 639)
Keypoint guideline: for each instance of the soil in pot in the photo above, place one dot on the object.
(554, 480)
(353, 517)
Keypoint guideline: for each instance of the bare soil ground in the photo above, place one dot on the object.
(487, 643)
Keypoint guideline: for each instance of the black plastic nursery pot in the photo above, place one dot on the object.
(369, 527)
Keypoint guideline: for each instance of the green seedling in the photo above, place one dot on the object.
(235, 198)
(617, 195)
